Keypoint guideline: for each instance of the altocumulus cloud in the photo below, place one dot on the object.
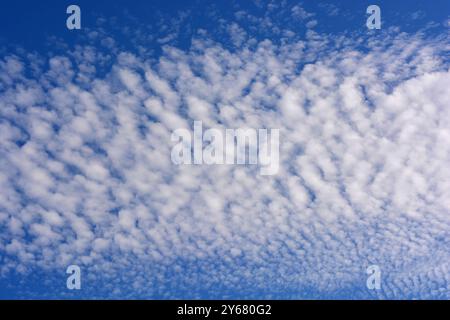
(86, 176)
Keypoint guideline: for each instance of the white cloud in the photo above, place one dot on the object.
(86, 175)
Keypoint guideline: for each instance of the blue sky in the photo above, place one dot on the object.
(86, 176)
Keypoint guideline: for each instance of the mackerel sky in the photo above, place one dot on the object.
(86, 176)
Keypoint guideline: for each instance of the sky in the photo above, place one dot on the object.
(86, 177)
